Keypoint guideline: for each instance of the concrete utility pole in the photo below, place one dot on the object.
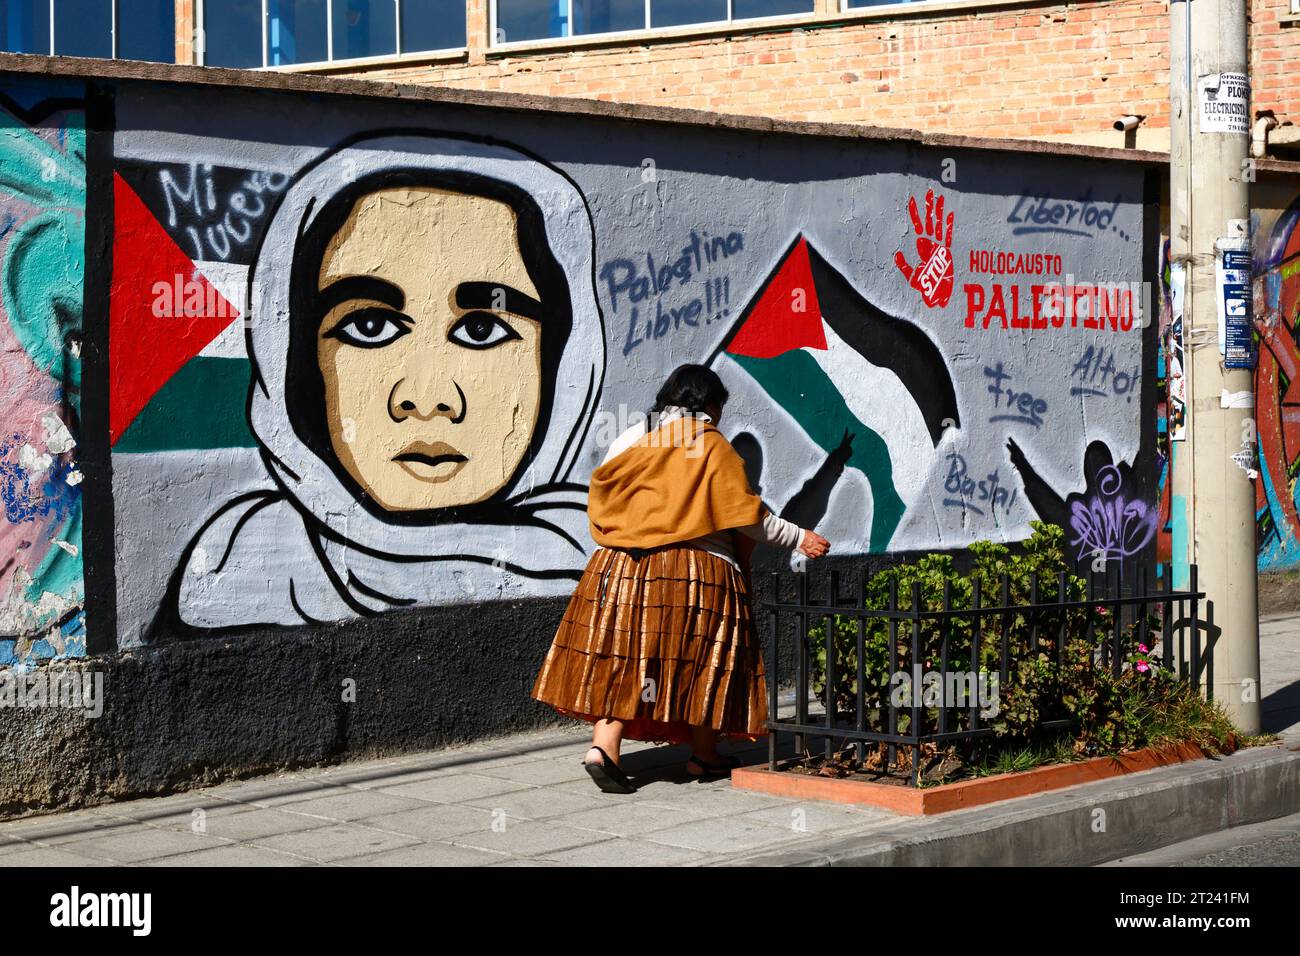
(1213, 512)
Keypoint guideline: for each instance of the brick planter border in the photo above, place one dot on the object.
(964, 793)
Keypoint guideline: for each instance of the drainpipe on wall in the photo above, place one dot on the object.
(1128, 125)
(1264, 121)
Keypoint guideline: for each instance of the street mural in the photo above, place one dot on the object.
(805, 344)
(1110, 522)
(424, 388)
(1277, 394)
(42, 230)
(368, 364)
(1276, 313)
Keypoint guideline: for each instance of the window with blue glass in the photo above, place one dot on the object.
(83, 28)
(232, 33)
(519, 20)
(364, 28)
(319, 31)
(146, 29)
(532, 20)
(297, 31)
(26, 26)
(608, 16)
(753, 9)
(431, 24)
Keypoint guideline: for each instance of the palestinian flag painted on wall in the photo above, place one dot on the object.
(178, 364)
(832, 362)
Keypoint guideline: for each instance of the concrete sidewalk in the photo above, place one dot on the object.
(1279, 664)
(519, 800)
(525, 801)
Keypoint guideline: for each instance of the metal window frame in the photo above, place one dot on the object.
(845, 6)
(646, 27)
(398, 45)
(199, 33)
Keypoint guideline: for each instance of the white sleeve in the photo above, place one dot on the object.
(774, 530)
(626, 440)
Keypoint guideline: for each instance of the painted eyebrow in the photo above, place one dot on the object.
(360, 287)
(483, 295)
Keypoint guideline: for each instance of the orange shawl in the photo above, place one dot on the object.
(680, 481)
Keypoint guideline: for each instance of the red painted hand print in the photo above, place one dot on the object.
(932, 276)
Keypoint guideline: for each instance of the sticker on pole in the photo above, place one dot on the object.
(1232, 279)
(1225, 103)
(1176, 357)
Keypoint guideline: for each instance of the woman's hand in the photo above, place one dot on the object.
(813, 545)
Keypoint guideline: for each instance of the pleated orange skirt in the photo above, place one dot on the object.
(660, 641)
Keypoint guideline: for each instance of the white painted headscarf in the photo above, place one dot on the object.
(310, 551)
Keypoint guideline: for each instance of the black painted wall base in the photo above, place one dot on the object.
(191, 713)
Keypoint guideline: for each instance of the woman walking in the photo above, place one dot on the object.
(658, 641)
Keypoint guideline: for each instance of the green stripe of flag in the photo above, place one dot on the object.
(797, 383)
(204, 405)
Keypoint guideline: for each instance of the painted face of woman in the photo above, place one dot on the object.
(429, 346)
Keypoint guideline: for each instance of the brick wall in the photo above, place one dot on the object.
(1275, 60)
(184, 31)
(1041, 70)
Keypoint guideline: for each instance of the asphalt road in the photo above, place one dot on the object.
(1275, 843)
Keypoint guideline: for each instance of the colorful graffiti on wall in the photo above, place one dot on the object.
(1109, 521)
(42, 229)
(1277, 392)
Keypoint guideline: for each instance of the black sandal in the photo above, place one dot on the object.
(713, 769)
(608, 775)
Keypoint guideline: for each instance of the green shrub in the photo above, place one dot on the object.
(1093, 710)
(1043, 554)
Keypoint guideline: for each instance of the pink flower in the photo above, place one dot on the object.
(1143, 667)
(1142, 648)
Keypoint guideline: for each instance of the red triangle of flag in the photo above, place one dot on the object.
(786, 315)
(162, 312)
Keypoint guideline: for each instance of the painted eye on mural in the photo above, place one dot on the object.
(371, 328)
(481, 330)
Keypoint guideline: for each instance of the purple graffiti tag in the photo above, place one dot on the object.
(1108, 525)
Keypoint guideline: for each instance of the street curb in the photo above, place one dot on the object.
(963, 794)
(1082, 826)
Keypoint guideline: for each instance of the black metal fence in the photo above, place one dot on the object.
(925, 642)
